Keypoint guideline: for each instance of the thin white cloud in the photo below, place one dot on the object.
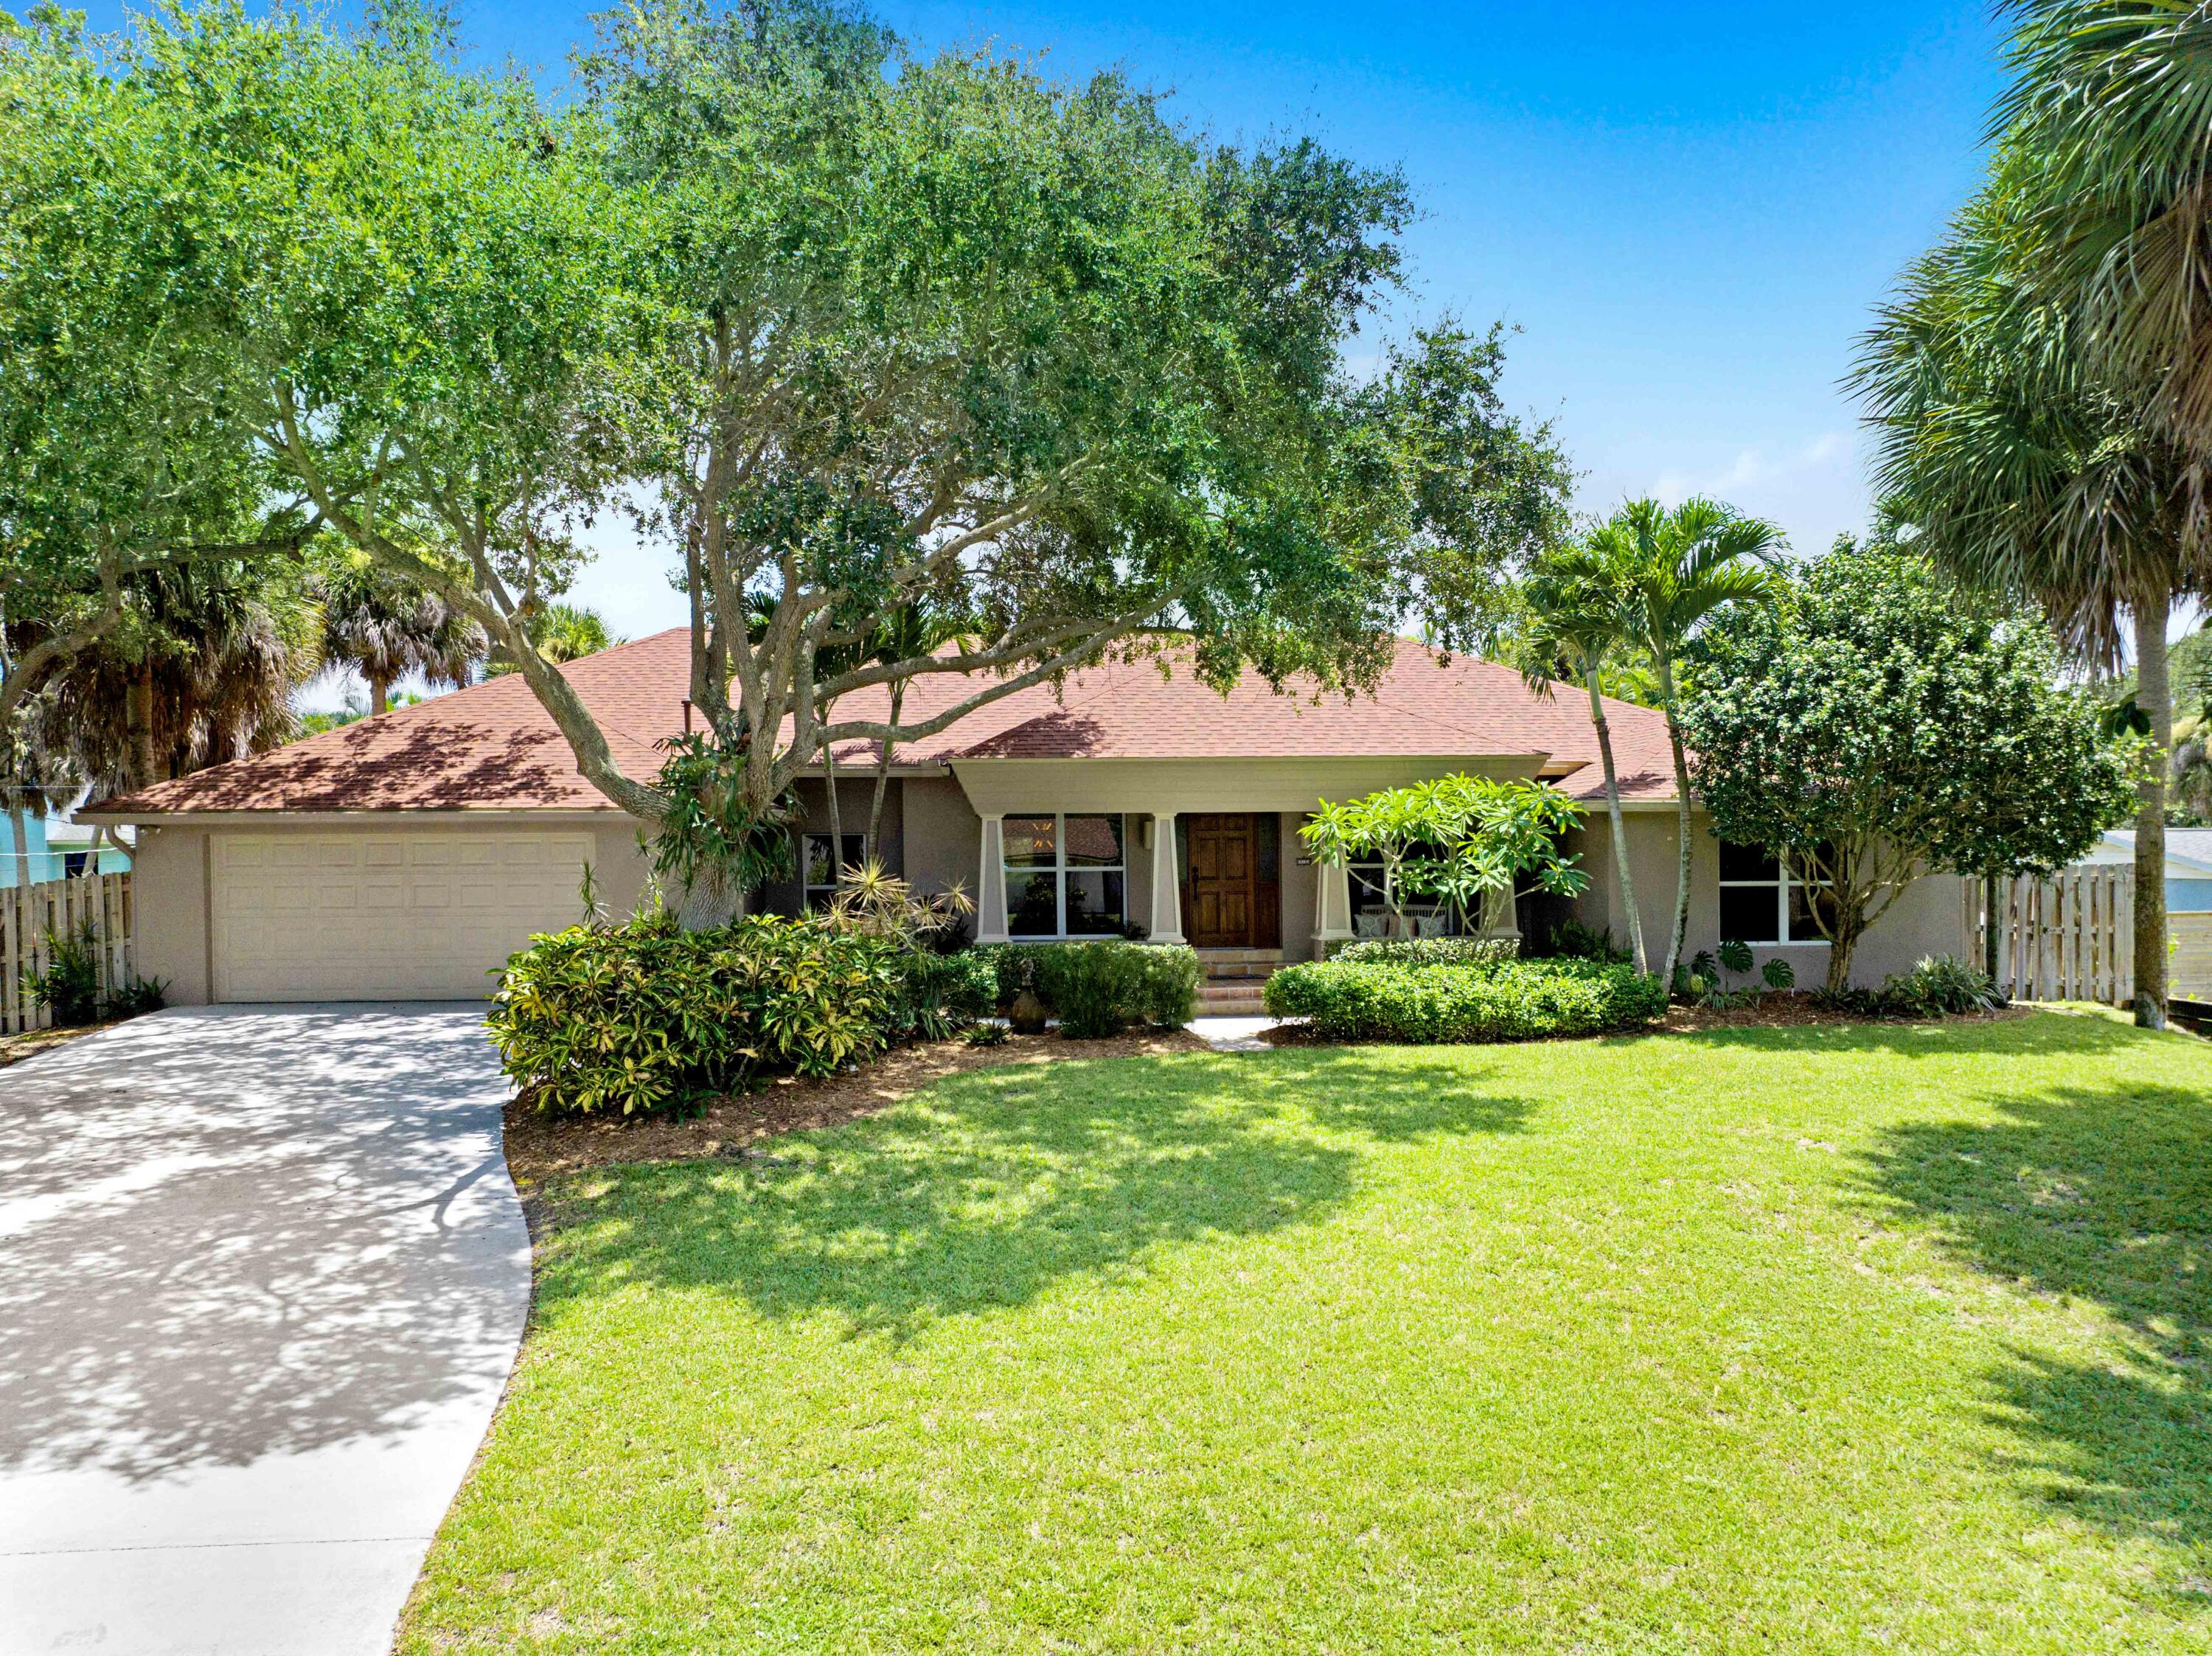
(1812, 488)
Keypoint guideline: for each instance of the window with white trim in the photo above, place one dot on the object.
(1762, 902)
(823, 869)
(1066, 874)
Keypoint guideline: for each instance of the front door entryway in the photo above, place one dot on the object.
(1231, 889)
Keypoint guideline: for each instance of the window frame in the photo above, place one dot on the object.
(1785, 884)
(807, 888)
(1059, 869)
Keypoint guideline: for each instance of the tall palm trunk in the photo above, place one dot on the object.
(837, 812)
(2154, 694)
(19, 847)
(138, 721)
(1613, 814)
(379, 696)
(883, 771)
(1681, 928)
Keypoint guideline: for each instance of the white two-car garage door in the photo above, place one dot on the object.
(400, 915)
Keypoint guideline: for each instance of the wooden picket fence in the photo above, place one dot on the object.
(2069, 937)
(30, 915)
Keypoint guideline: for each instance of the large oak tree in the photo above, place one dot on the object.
(848, 330)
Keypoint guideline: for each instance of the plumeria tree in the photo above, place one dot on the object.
(1462, 840)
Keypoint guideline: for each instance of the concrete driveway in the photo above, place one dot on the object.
(262, 1278)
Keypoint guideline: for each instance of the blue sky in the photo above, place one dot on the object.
(1686, 208)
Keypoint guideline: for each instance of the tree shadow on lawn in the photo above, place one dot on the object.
(983, 1191)
(2103, 1195)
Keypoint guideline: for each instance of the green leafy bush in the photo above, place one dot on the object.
(1939, 985)
(941, 995)
(1517, 1000)
(1573, 941)
(1101, 988)
(69, 986)
(1430, 952)
(646, 1016)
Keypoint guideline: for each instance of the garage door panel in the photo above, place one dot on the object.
(395, 915)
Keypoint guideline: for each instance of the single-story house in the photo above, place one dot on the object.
(406, 856)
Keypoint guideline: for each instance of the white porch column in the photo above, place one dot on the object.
(990, 881)
(1501, 916)
(1332, 906)
(1167, 886)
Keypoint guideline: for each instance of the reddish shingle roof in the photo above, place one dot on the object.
(493, 747)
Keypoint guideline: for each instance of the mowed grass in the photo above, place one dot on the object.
(1821, 1339)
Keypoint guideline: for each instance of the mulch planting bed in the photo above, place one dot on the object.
(13, 1049)
(539, 1147)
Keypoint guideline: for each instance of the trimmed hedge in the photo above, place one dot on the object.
(1430, 952)
(1101, 988)
(1513, 1000)
(645, 1015)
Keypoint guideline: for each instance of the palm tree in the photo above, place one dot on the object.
(2106, 123)
(562, 633)
(35, 777)
(2024, 470)
(201, 669)
(914, 628)
(385, 629)
(1673, 569)
(1578, 620)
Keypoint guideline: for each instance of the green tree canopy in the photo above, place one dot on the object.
(127, 454)
(858, 330)
(1880, 723)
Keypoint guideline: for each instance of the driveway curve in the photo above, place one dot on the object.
(261, 1279)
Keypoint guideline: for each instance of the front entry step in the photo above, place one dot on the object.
(1239, 962)
(1231, 998)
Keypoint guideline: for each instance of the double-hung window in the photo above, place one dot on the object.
(823, 867)
(1067, 876)
(1761, 901)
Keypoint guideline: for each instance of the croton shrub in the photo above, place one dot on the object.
(645, 1015)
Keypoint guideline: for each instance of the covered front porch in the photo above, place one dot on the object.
(1206, 853)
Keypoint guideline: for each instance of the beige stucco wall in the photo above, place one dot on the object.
(1924, 920)
(855, 796)
(932, 832)
(170, 891)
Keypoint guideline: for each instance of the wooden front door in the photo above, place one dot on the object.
(1222, 898)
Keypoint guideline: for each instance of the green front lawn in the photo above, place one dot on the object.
(1821, 1339)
